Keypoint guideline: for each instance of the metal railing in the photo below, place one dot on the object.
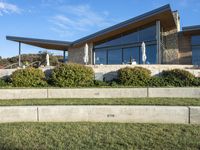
(11, 66)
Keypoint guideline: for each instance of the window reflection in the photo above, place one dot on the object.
(131, 55)
(115, 56)
(196, 50)
(101, 56)
(151, 52)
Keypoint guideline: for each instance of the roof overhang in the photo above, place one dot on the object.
(191, 30)
(163, 14)
(47, 44)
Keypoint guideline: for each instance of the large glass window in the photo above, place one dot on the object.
(131, 54)
(196, 55)
(196, 50)
(130, 38)
(126, 48)
(151, 52)
(196, 40)
(114, 56)
(148, 34)
(101, 56)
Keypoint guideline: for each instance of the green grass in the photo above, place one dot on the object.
(102, 136)
(119, 101)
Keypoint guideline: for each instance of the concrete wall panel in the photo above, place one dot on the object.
(98, 93)
(139, 114)
(175, 92)
(18, 114)
(23, 93)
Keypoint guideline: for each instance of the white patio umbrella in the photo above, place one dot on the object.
(144, 56)
(47, 59)
(86, 49)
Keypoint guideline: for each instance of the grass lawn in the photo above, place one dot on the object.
(102, 136)
(119, 101)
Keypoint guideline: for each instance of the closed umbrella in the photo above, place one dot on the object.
(47, 60)
(144, 56)
(86, 49)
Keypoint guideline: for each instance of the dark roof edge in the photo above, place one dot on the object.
(191, 28)
(44, 41)
(125, 23)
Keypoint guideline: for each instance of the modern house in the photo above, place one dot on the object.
(121, 43)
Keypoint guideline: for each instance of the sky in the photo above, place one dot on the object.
(69, 20)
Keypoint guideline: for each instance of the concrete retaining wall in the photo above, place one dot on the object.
(140, 114)
(99, 93)
(135, 114)
(23, 93)
(174, 92)
(18, 114)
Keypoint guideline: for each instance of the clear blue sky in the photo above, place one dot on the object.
(71, 19)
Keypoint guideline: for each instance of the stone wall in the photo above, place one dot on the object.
(170, 52)
(76, 55)
(109, 72)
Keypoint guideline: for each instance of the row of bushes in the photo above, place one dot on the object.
(74, 75)
(139, 76)
(65, 75)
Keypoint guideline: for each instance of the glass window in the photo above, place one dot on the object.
(196, 55)
(115, 56)
(130, 38)
(131, 54)
(113, 42)
(151, 52)
(196, 40)
(147, 34)
(100, 56)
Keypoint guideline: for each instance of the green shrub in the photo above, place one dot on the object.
(196, 81)
(100, 83)
(157, 82)
(72, 75)
(178, 78)
(3, 83)
(136, 76)
(29, 77)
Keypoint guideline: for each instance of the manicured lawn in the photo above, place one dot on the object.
(102, 136)
(119, 101)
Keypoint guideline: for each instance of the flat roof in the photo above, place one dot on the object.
(164, 14)
(191, 30)
(43, 43)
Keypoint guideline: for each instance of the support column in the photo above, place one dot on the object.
(158, 42)
(64, 56)
(19, 60)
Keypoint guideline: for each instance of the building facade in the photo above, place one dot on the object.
(159, 29)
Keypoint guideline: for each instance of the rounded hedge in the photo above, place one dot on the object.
(178, 78)
(136, 76)
(72, 75)
(29, 77)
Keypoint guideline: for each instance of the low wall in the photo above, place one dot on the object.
(109, 72)
(99, 93)
(131, 114)
(18, 114)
